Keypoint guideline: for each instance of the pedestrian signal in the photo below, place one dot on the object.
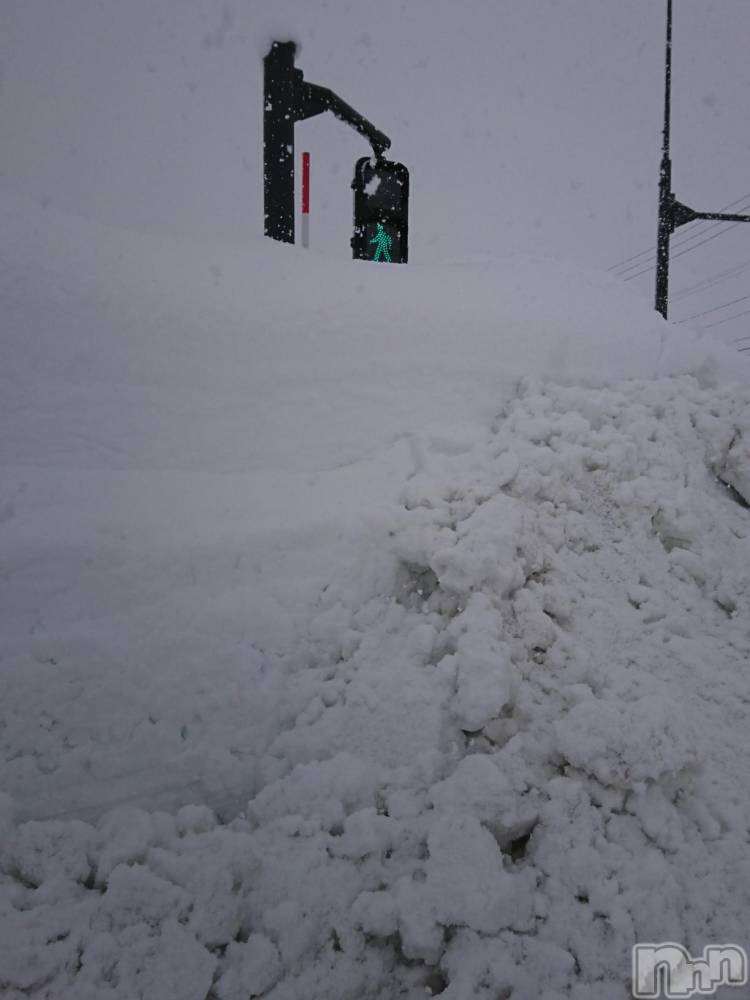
(381, 211)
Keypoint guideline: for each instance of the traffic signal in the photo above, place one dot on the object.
(381, 211)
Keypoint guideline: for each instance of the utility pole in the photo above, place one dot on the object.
(672, 213)
(665, 183)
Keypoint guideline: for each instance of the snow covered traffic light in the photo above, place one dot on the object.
(381, 211)
(381, 188)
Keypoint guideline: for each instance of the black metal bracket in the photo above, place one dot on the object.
(313, 99)
(680, 214)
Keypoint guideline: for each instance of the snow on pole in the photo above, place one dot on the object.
(306, 200)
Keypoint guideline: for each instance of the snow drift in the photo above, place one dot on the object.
(368, 631)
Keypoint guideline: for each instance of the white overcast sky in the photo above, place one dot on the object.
(528, 126)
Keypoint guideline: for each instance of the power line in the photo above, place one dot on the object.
(678, 243)
(726, 305)
(745, 312)
(691, 225)
(682, 253)
(694, 225)
(646, 270)
(707, 239)
(651, 254)
(650, 251)
(714, 279)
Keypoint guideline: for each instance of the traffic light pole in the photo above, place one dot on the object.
(672, 213)
(287, 99)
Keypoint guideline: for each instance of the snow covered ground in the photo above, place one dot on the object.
(366, 631)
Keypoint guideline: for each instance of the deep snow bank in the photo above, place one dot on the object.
(195, 439)
(324, 546)
(530, 711)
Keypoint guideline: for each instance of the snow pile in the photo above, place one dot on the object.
(196, 439)
(367, 632)
(519, 743)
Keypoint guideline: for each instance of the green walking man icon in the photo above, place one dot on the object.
(383, 241)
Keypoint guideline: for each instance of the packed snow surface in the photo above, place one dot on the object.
(367, 631)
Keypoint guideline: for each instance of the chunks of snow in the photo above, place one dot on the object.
(252, 968)
(626, 743)
(462, 883)
(372, 664)
(522, 718)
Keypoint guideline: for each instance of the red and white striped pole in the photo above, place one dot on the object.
(306, 200)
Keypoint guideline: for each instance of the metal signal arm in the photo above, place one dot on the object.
(312, 99)
(680, 214)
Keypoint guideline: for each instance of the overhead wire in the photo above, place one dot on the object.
(685, 237)
(728, 319)
(686, 234)
(650, 252)
(726, 226)
(709, 282)
(646, 270)
(673, 256)
(706, 312)
(645, 253)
